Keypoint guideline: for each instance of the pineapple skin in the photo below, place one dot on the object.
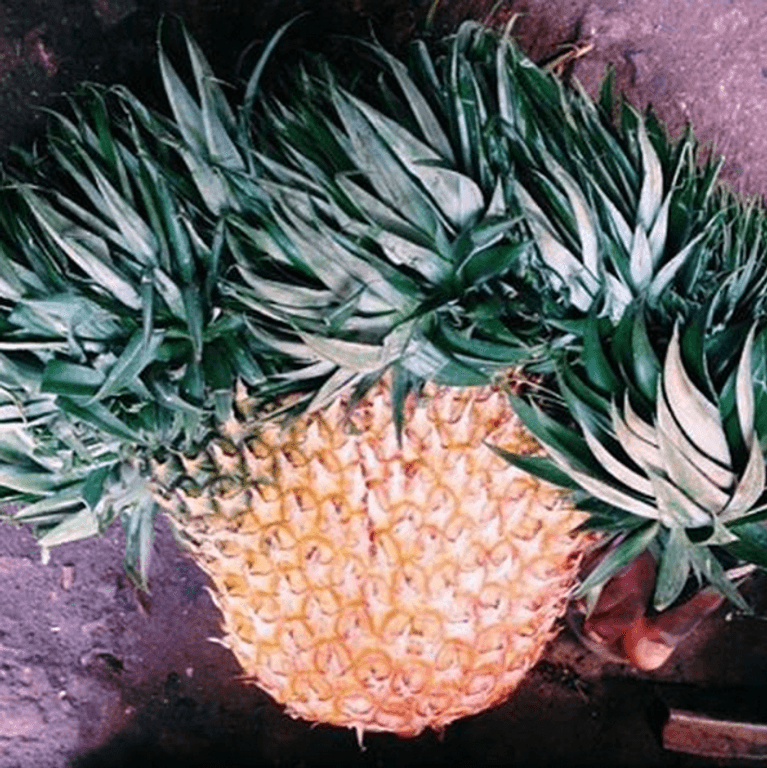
(377, 586)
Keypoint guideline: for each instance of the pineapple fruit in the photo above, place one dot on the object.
(200, 315)
(378, 585)
(376, 564)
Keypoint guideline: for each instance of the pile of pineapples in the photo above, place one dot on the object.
(319, 332)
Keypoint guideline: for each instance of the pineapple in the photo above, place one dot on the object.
(378, 585)
(283, 328)
(383, 570)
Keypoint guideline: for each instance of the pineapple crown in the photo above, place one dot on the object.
(665, 451)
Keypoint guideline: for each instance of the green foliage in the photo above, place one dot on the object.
(687, 458)
(458, 215)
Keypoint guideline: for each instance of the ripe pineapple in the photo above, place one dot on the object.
(152, 310)
(374, 585)
(165, 283)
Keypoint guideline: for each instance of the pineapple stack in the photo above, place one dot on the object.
(291, 329)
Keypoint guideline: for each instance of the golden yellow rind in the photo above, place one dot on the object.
(385, 587)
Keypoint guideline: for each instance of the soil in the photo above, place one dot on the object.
(94, 674)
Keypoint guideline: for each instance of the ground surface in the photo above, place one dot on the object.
(93, 675)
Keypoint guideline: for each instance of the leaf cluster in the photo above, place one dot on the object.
(458, 215)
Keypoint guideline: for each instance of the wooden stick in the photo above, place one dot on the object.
(709, 736)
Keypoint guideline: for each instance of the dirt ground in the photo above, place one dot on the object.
(94, 675)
